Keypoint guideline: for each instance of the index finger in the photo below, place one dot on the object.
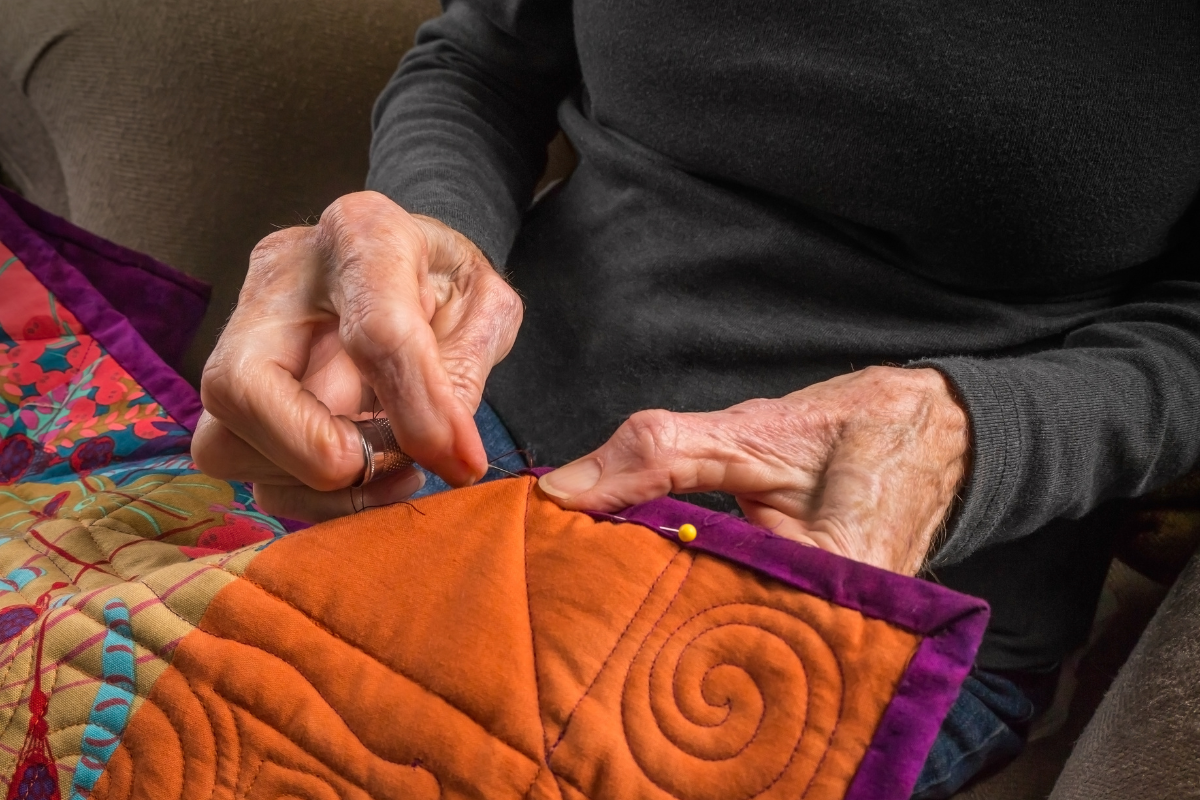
(251, 383)
(379, 288)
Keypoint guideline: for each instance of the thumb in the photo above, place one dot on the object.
(652, 454)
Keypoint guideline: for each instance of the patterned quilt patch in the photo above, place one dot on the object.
(160, 637)
(105, 526)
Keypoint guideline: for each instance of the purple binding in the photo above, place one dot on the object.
(951, 623)
(167, 304)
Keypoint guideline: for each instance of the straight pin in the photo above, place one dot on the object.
(686, 532)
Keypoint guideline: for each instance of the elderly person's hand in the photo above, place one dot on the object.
(865, 465)
(370, 305)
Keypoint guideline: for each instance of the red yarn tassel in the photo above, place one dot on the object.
(36, 776)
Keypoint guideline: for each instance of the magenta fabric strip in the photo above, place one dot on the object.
(952, 624)
(163, 305)
(893, 761)
(104, 322)
(166, 306)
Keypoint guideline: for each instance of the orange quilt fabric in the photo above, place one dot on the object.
(161, 638)
(492, 645)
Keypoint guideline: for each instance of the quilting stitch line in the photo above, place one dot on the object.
(567, 722)
(322, 627)
(537, 684)
(796, 747)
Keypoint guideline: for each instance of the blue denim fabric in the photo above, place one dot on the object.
(983, 730)
(497, 443)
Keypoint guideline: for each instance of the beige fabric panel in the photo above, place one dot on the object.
(27, 153)
(1143, 740)
(189, 130)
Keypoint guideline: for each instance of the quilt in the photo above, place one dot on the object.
(160, 637)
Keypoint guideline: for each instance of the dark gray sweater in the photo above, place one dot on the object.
(773, 193)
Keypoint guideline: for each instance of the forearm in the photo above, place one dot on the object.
(460, 132)
(1113, 412)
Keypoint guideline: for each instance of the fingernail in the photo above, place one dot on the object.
(402, 489)
(575, 478)
(411, 485)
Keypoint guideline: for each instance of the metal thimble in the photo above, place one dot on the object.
(381, 452)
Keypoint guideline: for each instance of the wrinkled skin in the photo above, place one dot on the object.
(370, 305)
(376, 308)
(865, 465)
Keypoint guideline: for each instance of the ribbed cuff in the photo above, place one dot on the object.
(997, 443)
(442, 192)
(494, 247)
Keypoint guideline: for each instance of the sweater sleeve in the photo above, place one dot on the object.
(460, 132)
(1114, 411)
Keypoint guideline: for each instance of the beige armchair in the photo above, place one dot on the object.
(191, 130)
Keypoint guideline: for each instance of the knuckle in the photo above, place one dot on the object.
(504, 299)
(330, 467)
(334, 220)
(270, 247)
(501, 306)
(272, 261)
(215, 389)
(354, 224)
(372, 331)
(340, 223)
(349, 209)
(275, 241)
(357, 204)
(225, 382)
(652, 436)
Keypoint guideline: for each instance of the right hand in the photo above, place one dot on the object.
(371, 305)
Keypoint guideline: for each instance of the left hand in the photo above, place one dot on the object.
(865, 465)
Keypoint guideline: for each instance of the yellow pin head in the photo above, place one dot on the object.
(687, 532)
